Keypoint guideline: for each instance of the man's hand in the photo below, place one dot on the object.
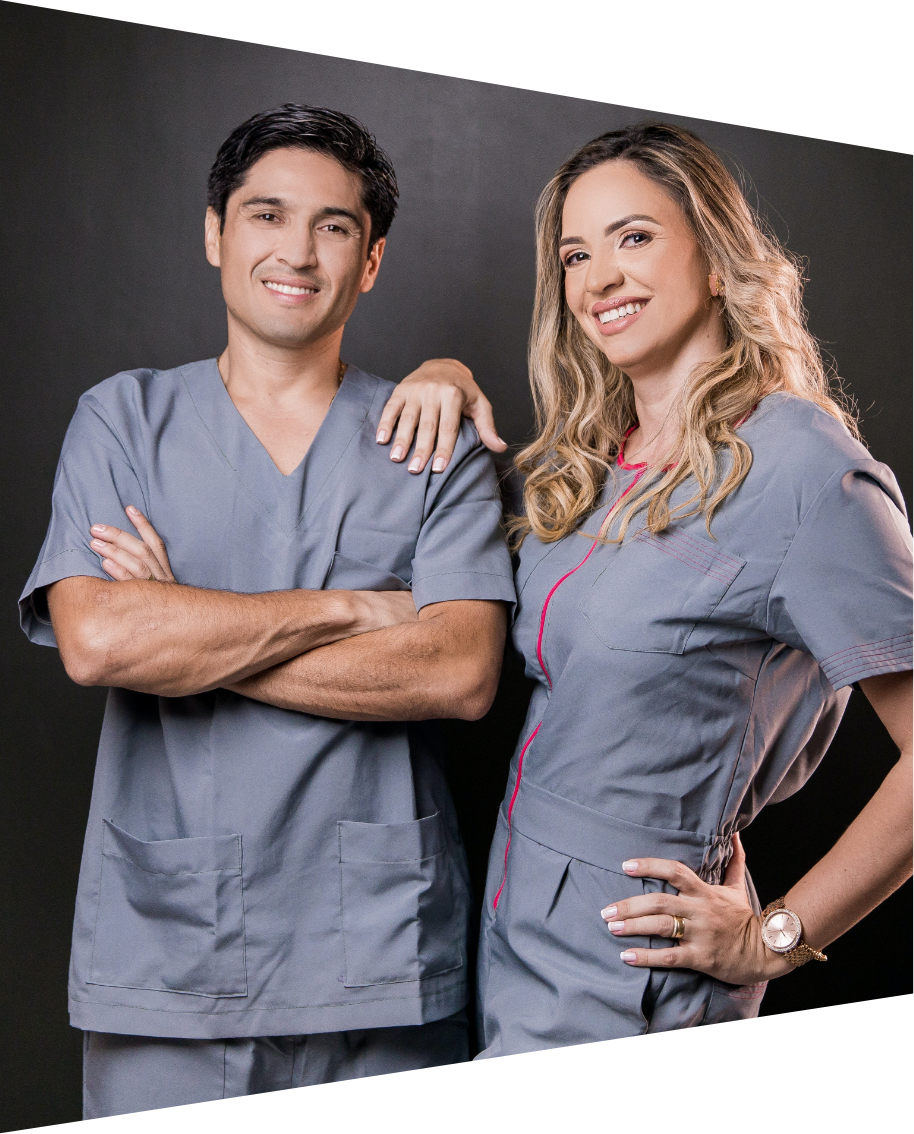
(126, 557)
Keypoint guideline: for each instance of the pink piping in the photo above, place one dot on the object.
(539, 655)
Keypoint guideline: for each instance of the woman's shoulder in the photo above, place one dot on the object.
(797, 437)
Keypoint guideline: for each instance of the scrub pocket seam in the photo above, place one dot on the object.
(166, 930)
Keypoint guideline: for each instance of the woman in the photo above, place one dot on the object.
(709, 559)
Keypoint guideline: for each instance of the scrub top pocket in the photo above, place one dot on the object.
(655, 589)
(399, 918)
(170, 915)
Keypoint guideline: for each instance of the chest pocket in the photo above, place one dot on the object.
(655, 589)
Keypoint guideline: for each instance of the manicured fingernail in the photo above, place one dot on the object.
(628, 956)
(438, 464)
(415, 464)
(630, 866)
(382, 436)
(397, 453)
(616, 926)
(97, 528)
(609, 912)
(502, 440)
(131, 511)
(97, 544)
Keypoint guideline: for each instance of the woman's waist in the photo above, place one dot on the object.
(606, 840)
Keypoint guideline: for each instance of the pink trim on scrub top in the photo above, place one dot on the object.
(621, 462)
(539, 654)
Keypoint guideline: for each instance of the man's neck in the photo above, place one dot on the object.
(282, 393)
(277, 377)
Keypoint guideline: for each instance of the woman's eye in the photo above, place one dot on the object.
(575, 258)
(635, 239)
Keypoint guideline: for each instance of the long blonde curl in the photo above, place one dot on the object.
(584, 404)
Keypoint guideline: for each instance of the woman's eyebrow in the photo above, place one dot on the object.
(610, 228)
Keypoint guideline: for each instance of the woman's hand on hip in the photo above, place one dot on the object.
(722, 935)
(429, 404)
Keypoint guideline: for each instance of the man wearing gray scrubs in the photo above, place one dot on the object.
(273, 891)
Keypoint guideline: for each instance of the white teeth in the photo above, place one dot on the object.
(287, 289)
(619, 312)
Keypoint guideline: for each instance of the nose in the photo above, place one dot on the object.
(603, 271)
(297, 248)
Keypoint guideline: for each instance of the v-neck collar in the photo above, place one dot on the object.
(287, 499)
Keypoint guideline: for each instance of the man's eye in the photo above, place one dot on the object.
(267, 216)
(334, 228)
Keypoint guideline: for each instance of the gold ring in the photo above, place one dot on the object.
(678, 927)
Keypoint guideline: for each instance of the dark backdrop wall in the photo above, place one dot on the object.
(108, 131)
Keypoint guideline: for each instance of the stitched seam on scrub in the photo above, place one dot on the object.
(703, 568)
(539, 655)
(289, 1008)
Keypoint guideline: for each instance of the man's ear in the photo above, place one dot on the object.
(212, 236)
(370, 271)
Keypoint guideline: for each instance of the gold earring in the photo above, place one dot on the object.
(716, 284)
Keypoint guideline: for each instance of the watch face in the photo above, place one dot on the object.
(782, 931)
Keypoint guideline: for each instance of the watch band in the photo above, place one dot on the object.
(801, 952)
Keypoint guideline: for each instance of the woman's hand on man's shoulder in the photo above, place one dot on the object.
(428, 405)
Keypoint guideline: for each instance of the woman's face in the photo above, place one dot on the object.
(635, 277)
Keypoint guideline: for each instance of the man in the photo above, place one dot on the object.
(273, 891)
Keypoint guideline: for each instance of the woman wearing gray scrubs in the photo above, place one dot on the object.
(709, 559)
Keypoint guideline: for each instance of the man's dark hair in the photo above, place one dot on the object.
(309, 128)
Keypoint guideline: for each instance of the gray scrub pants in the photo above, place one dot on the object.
(124, 1074)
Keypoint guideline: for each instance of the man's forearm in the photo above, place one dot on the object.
(175, 640)
(445, 665)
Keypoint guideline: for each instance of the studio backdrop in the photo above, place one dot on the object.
(108, 132)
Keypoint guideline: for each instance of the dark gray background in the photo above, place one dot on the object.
(108, 131)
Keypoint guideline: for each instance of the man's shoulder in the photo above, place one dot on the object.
(125, 387)
(378, 390)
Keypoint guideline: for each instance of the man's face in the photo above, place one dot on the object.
(294, 250)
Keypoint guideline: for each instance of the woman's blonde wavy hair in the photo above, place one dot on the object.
(584, 404)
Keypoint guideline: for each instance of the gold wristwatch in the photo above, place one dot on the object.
(782, 932)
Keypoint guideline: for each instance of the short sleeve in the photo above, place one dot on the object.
(843, 592)
(93, 485)
(461, 551)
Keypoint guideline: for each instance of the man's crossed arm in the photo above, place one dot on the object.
(355, 655)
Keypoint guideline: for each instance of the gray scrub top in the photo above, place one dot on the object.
(249, 870)
(682, 683)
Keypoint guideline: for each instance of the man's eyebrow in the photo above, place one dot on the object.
(327, 211)
(274, 202)
(339, 211)
(611, 228)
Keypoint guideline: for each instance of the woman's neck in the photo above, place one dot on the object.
(659, 390)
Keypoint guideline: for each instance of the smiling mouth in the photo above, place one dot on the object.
(289, 289)
(613, 314)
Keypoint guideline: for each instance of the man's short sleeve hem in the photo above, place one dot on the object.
(64, 565)
(456, 585)
(891, 655)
